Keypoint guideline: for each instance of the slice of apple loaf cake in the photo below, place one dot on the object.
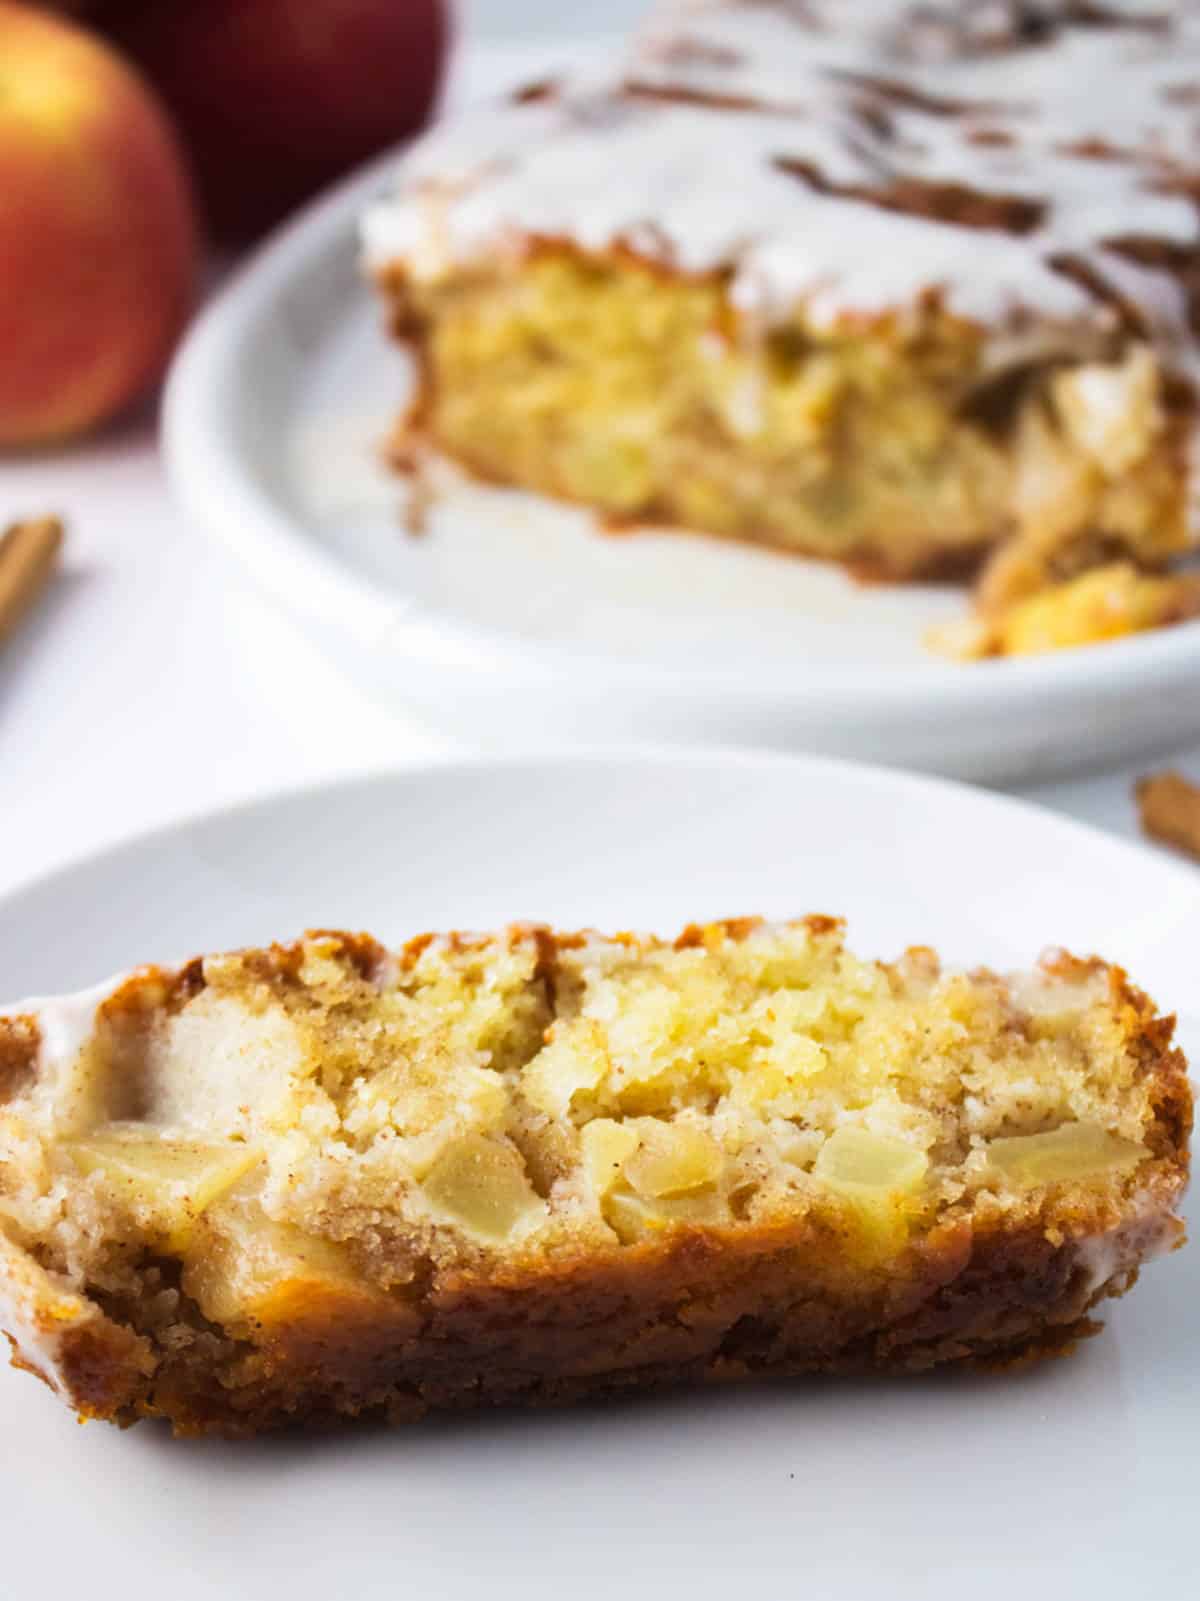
(328, 1179)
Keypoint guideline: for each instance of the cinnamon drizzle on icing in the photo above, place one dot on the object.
(1031, 166)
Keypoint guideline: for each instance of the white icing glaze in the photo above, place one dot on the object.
(1149, 1233)
(728, 137)
(64, 1087)
(66, 1023)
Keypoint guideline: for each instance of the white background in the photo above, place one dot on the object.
(151, 683)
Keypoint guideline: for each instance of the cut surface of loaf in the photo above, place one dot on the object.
(327, 1179)
(890, 283)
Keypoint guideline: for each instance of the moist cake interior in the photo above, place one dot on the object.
(378, 1118)
(894, 447)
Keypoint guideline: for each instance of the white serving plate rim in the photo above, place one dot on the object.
(213, 470)
(631, 754)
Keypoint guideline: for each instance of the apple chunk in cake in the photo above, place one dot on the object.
(326, 1178)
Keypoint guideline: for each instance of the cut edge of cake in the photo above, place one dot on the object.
(326, 1179)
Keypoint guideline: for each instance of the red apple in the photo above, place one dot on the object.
(97, 231)
(278, 97)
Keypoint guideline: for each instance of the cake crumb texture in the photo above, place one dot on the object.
(328, 1179)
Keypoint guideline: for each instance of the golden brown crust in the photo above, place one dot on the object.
(697, 1304)
(872, 566)
(20, 1037)
(102, 1366)
(697, 1308)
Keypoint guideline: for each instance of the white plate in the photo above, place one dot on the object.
(1078, 1478)
(514, 615)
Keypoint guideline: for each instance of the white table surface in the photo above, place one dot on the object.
(151, 683)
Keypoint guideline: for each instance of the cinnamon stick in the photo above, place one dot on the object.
(1169, 808)
(28, 553)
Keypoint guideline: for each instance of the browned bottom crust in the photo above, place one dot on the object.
(695, 1309)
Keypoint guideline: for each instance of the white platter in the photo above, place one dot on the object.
(514, 616)
(1079, 1478)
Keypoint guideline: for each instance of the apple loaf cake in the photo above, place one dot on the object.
(326, 1179)
(900, 285)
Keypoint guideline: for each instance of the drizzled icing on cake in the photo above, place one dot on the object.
(1024, 163)
(67, 1027)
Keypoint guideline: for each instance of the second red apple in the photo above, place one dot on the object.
(276, 98)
